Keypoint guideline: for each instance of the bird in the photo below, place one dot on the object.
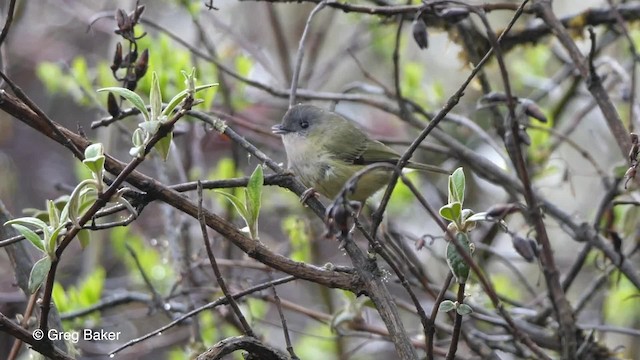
(325, 150)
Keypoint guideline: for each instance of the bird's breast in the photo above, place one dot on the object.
(309, 161)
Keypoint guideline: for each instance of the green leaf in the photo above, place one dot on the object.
(133, 98)
(94, 151)
(54, 214)
(190, 80)
(155, 97)
(464, 309)
(456, 262)
(237, 203)
(164, 145)
(29, 235)
(148, 127)
(481, 216)
(39, 273)
(84, 236)
(31, 221)
(52, 240)
(451, 212)
(96, 165)
(456, 186)
(175, 101)
(76, 199)
(254, 193)
(446, 306)
(138, 136)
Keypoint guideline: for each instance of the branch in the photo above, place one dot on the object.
(45, 348)
(253, 346)
(331, 278)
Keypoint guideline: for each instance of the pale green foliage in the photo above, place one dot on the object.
(78, 79)
(621, 305)
(249, 207)
(453, 210)
(160, 272)
(58, 213)
(505, 286)
(458, 266)
(402, 195)
(412, 84)
(298, 233)
(448, 305)
(83, 295)
(154, 119)
(38, 273)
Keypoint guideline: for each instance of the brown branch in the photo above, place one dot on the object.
(216, 270)
(564, 312)
(45, 348)
(333, 279)
(8, 21)
(256, 349)
(220, 301)
(594, 85)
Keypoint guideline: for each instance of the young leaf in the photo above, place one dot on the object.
(456, 186)
(451, 212)
(456, 262)
(75, 200)
(94, 151)
(39, 273)
(150, 127)
(254, 193)
(52, 240)
(464, 309)
(155, 97)
(175, 101)
(29, 235)
(133, 98)
(237, 203)
(54, 214)
(446, 306)
(164, 145)
(31, 221)
(137, 138)
(84, 236)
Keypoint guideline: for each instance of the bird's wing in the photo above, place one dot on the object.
(375, 152)
(350, 140)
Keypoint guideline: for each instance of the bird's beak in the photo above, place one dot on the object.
(279, 129)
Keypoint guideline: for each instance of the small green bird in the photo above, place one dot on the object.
(325, 150)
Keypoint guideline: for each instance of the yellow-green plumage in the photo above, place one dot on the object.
(325, 150)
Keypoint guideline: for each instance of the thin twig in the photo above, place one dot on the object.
(285, 330)
(8, 21)
(457, 325)
(214, 265)
(220, 301)
(155, 295)
(300, 54)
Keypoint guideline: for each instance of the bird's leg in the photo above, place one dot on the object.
(307, 194)
(356, 207)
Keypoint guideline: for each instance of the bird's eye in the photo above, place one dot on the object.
(304, 124)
